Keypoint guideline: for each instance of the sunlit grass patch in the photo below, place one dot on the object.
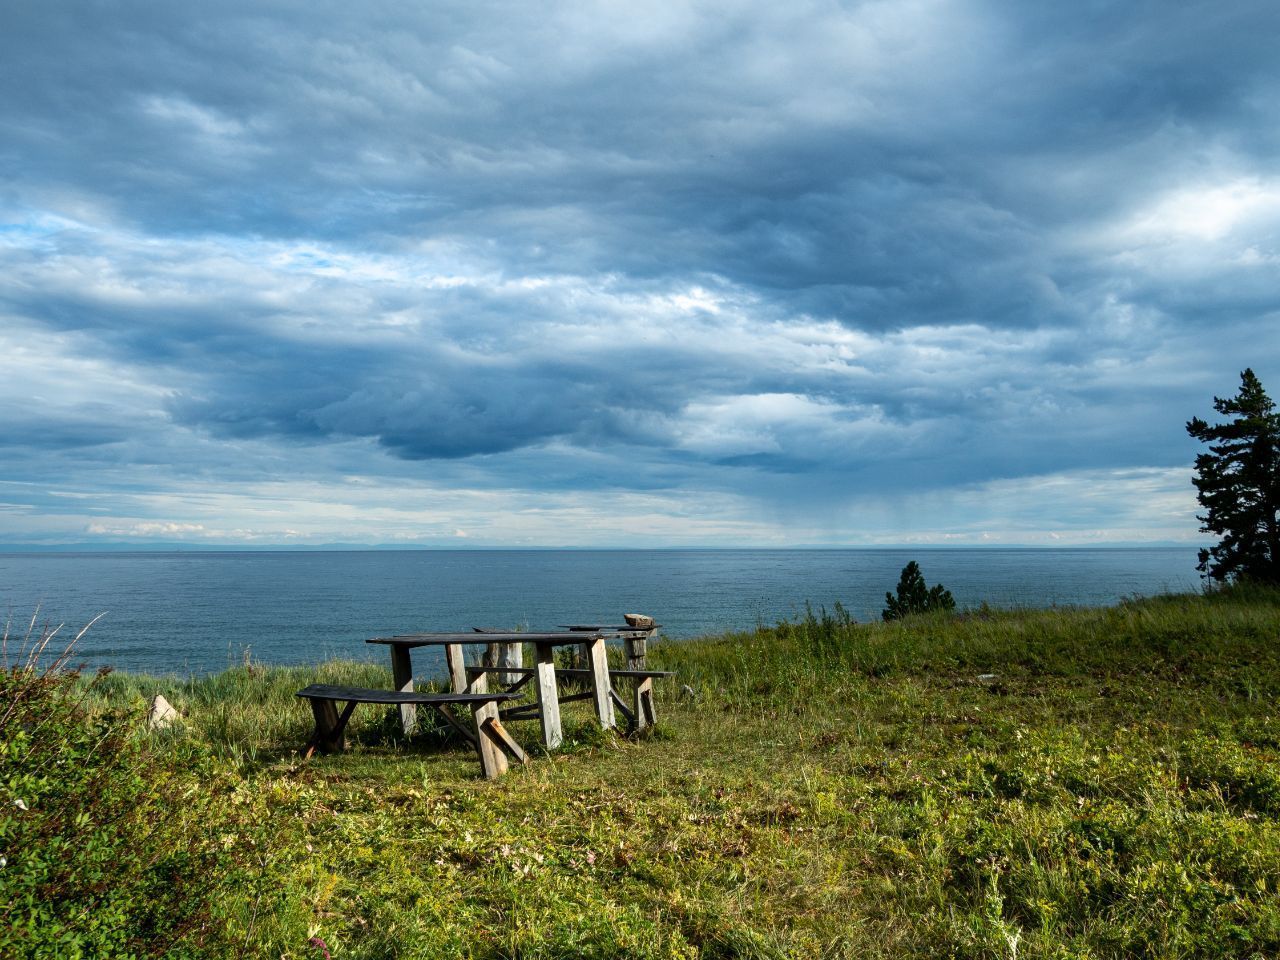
(1062, 783)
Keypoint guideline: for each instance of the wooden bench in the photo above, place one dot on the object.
(639, 715)
(489, 737)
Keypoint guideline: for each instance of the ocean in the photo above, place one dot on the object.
(191, 613)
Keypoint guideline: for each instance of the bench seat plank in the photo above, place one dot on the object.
(490, 739)
(324, 691)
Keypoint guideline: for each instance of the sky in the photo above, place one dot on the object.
(617, 274)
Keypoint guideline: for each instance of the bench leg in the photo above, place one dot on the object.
(330, 733)
(600, 683)
(548, 696)
(402, 680)
(637, 653)
(646, 715)
(492, 760)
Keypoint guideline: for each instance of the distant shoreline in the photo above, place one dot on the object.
(124, 548)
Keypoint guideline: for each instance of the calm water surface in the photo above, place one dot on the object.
(192, 613)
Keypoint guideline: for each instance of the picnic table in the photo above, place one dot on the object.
(470, 681)
(542, 675)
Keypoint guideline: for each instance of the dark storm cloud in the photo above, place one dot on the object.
(787, 152)
(841, 246)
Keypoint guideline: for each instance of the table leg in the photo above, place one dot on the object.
(455, 659)
(492, 760)
(636, 660)
(598, 663)
(548, 696)
(402, 680)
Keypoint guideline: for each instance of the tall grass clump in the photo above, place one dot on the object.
(1188, 636)
(110, 838)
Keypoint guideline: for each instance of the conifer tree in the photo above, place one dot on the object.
(914, 596)
(1238, 484)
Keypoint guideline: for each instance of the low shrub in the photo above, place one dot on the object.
(108, 839)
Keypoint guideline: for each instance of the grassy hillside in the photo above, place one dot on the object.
(1064, 783)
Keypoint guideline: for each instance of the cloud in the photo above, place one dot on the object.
(793, 259)
(148, 529)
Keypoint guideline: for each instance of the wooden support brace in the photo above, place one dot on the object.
(494, 729)
(575, 697)
(520, 684)
(444, 711)
(524, 676)
(528, 711)
(522, 671)
(617, 702)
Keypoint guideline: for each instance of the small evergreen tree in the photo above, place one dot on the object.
(914, 596)
(1238, 484)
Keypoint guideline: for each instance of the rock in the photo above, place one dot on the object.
(638, 620)
(162, 714)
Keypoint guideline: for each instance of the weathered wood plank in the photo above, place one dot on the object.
(528, 672)
(325, 691)
(598, 664)
(474, 637)
(492, 760)
(327, 737)
(402, 679)
(637, 659)
(511, 656)
(636, 648)
(330, 726)
(575, 697)
(608, 628)
(444, 711)
(619, 705)
(529, 711)
(455, 659)
(548, 696)
(504, 659)
(494, 728)
(646, 714)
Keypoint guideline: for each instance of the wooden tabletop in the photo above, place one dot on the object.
(602, 628)
(446, 639)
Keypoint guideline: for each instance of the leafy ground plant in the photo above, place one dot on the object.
(112, 844)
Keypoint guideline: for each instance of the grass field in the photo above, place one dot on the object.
(1061, 783)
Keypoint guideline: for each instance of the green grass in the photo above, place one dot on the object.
(831, 790)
